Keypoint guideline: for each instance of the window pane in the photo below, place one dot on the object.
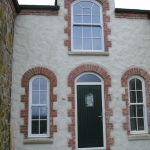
(76, 9)
(86, 4)
(132, 111)
(95, 10)
(140, 124)
(86, 19)
(86, 11)
(86, 31)
(35, 97)
(96, 31)
(140, 111)
(88, 78)
(87, 44)
(35, 112)
(132, 97)
(77, 31)
(133, 124)
(43, 97)
(43, 113)
(139, 97)
(43, 84)
(95, 19)
(77, 43)
(35, 84)
(97, 44)
(43, 127)
(132, 84)
(35, 127)
(138, 84)
(77, 19)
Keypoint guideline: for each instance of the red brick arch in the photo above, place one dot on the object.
(25, 97)
(124, 82)
(107, 98)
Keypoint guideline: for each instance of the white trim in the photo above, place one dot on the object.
(47, 105)
(144, 104)
(103, 110)
(89, 24)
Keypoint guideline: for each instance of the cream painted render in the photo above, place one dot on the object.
(39, 41)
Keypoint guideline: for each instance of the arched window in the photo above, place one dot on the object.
(137, 104)
(87, 26)
(38, 123)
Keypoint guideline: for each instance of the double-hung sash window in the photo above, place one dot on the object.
(137, 105)
(38, 123)
(87, 26)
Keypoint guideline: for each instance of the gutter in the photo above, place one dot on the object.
(122, 10)
(35, 7)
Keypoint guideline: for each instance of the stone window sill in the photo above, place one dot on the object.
(139, 137)
(89, 53)
(38, 141)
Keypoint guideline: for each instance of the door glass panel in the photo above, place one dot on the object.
(139, 97)
(132, 97)
(43, 84)
(43, 113)
(86, 31)
(35, 97)
(77, 19)
(133, 124)
(43, 97)
(43, 127)
(139, 110)
(89, 100)
(87, 44)
(35, 127)
(138, 84)
(86, 19)
(35, 84)
(132, 84)
(140, 124)
(76, 9)
(97, 44)
(35, 112)
(132, 111)
(88, 78)
(77, 31)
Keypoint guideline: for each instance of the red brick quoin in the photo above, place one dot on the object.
(124, 82)
(25, 98)
(107, 98)
(106, 19)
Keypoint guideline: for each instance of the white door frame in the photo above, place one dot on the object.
(103, 110)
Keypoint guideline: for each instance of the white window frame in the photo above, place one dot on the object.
(88, 24)
(144, 104)
(103, 109)
(30, 106)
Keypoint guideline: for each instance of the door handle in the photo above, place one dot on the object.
(101, 116)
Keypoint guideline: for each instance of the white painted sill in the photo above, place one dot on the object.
(38, 141)
(139, 137)
(88, 53)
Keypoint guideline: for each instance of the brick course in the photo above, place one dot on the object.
(107, 98)
(124, 82)
(25, 98)
(131, 15)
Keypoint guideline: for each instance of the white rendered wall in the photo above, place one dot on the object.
(39, 41)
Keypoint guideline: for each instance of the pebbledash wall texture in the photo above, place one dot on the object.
(42, 45)
(7, 17)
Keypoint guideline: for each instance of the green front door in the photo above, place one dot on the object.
(89, 112)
